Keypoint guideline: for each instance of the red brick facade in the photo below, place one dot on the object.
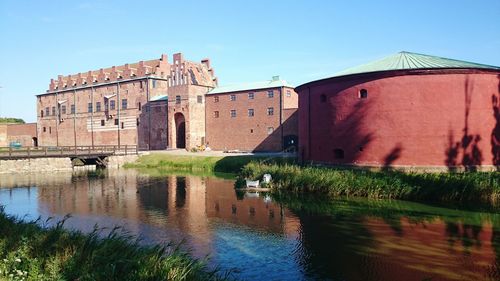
(117, 105)
(252, 119)
(440, 117)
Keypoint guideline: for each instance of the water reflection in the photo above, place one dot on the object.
(281, 238)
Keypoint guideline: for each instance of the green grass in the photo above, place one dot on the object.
(29, 252)
(460, 187)
(8, 120)
(228, 164)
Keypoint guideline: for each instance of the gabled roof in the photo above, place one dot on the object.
(408, 61)
(274, 83)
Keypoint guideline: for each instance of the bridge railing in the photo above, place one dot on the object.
(66, 151)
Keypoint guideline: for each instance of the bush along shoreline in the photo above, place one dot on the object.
(31, 252)
(336, 182)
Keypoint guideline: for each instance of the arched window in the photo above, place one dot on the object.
(322, 98)
(363, 94)
(338, 153)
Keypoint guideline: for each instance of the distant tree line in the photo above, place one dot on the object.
(11, 120)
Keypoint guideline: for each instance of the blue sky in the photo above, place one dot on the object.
(246, 40)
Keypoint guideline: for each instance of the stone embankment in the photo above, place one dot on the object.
(56, 164)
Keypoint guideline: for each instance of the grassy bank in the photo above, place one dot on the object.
(461, 187)
(29, 252)
(228, 164)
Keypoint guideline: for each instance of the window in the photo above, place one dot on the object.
(123, 125)
(89, 109)
(270, 94)
(199, 99)
(139, 106)
(116, 122)
(363, 94)
(250, 112)
(270, 111)
(322, 98)
(251, 96)
(53, 110)
(338, 153)
(154, 84)
(44, 129)
(124, 103)
(233, 113)
(137, 122)
(177, 99)
(98, 106)
(103, 123)
(41, 113)
(216, 99)
(232, 97)
(50, 130)
(73, 109)
(251, 131)
(63, 109)
(47, 112)
(288, 94)
(112, 104)
(270, 130)
(140, 85)
(216, 114)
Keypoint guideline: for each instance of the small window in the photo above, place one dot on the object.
(89, 107)
(41, 113)
(53, 110)
(44, 129)
(251, 131)
(363, 94)
(233, 113)
(140, 85)
(199, 99)
(112, 104)
(154, 84)
(124, 103)
(270, 94)
(103, 122)
(137, 122)
(288, 94)
(250, 112)
(270, 111)
(98, 106)
(251, 96)
(270, 130)
(47, 112)
(177, 99)
(50, 130)
(123, 125)
(322, 98)
(216, 99)
(232, 97)
(116, 122)
(338, 153)
(216, 114)
(73, 109)
(63, 109)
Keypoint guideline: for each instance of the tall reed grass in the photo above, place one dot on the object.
(30, 252)
(470, 186)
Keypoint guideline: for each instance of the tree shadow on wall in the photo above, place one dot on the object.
(495, 134)
(392, 156)
(468, 145)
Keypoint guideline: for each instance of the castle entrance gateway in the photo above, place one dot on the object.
(180, 130)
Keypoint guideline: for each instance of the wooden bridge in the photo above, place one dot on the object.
(81, 152)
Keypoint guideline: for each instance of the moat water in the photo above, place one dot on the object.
(261, 237)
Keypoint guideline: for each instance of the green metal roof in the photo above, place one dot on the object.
(159, 98)
(407, 60)
(274, 83)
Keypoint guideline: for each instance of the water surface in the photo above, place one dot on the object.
(259, 237)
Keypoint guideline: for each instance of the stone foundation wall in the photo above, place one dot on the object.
(115, 162)
(35, 165)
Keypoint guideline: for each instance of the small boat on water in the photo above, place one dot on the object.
(254, 184)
